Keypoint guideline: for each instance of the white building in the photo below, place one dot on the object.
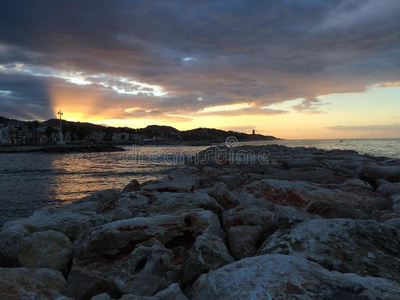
(4, 135)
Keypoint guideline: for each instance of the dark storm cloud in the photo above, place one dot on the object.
(224, 52)
(24, 97)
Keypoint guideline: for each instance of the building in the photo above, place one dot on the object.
(4, 139)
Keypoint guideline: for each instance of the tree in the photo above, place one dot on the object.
(30, 129)
(36, 125)
(82, 133)
(72, 129)
(49, 132)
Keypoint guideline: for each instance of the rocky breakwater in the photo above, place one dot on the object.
(237, 223)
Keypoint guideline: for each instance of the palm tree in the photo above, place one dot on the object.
(49, 132)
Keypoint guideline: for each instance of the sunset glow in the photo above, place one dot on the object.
(293, 80)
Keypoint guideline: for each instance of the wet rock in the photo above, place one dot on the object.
(366, 248)
(10, 241)
(288, 277)
(84, 284)
(24, 283)
(133, 186)
(46, 249)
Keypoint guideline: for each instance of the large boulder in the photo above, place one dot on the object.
(83, 284)
(148, 269)
(395, 203)
(46, 249)
(250, 223)
(389, 188)
(389, 173)
(145, 203)
(246, 226)
(225, 198)
(366, 248)
(102, 196)
(208, 253)
(24, 283)
(173, 292)
(288, 277)
(72, 219)
(162, 249)
(315, 175)
(178, 185)
(395, 223)
(300, 194)
(10, 241)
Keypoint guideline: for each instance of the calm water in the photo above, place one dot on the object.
(31, 181)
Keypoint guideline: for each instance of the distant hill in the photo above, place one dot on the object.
(168, 132)
(6, 121)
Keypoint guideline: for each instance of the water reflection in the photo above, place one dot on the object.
(31, 181)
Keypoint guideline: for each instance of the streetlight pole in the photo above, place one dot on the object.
(60, 134)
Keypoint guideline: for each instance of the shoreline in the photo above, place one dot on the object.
(233, 217)
(59, 148)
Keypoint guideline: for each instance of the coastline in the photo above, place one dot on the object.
(240, 217)
(59, 148)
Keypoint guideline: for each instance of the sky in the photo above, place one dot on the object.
(297, 69)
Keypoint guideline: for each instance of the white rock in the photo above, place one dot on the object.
(45, 249)
(70, 220)
(288, 277)
(342, 245)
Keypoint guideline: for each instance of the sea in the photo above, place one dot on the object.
(29, 181)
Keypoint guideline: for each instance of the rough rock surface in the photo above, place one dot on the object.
(71, 220)
(24, 283)
(366, 248)
(10, 241)
(84, 284)
(304, 224)
(288, 277)
(45, 249)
